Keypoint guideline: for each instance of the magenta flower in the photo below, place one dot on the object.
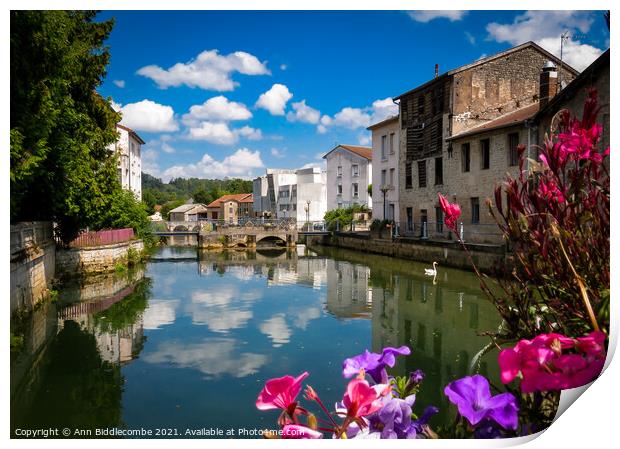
(295, 431)
(545, 365)
(451, 212)
(472, 396)
(280, 392)
(373, 363)
(361, 399)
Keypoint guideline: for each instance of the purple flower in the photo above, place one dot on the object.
(472, 396)
(393, 420)
(416, 376)
(374, 364)
(487, 429)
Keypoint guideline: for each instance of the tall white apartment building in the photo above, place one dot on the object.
(128, 147)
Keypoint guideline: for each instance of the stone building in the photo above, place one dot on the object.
(129, 159)
(349, 172)
(385, 152)
(231, 208)
(479, 95)
(189, 212)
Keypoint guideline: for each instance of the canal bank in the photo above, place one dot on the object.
(488, 258)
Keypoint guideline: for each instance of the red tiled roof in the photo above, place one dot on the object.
(506, 120)
(365, 152)
(238, 197)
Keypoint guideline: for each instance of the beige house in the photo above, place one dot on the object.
(385, 151)
(458, 134)
(189, 212)
(230, 208)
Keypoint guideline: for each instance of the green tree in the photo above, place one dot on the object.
(202, 196)
(61, 168)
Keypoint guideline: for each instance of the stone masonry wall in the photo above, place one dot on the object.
(33, 258)
(99, 259)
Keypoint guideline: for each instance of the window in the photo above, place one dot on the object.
(339, 189)
(450, 151)
(410, 219)
(439, 219)
(392, 138)
(339, 172)
(485, 154)
(421, 173)
(355, 170)
(383, 177)
(408, 176)
(465, 157)
(355, 190)
(421, 105)
(383, 147)
(438, 171)
(513, 154)
(475, 210)
(392, 172)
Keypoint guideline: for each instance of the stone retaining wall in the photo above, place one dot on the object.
(33, 259)
(92, 260)
(449, 254)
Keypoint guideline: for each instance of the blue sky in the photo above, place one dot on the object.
(217, 94)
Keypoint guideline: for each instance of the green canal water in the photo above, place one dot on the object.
(188, 341)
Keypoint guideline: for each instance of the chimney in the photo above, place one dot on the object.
(436, 70)
(548, 84)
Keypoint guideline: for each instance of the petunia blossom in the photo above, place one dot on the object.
(451, 212)
(374, 364)
(472, 396)
(280, 392)
(544, 363)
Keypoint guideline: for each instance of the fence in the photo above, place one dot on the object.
(98, 238)
(472, 232)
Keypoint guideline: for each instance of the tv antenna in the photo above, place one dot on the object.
(565, 36)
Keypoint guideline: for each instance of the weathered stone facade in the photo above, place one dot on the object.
(456, 102)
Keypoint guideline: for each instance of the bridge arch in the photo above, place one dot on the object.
(271, 241)
(180, 228)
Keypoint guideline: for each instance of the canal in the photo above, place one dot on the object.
(188, 341)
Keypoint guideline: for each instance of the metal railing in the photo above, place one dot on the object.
(105, 237)
(469, 232)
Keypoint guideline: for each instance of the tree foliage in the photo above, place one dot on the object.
(61, 168)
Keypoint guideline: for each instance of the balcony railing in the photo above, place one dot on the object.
(105, 237)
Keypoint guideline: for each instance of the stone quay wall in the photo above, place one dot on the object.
(33, 263)
(93, 260)
(451, 254)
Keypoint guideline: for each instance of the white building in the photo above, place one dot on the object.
(298, 194)
(349, 172)
(265, 190)
(129, 159)
(385, 149)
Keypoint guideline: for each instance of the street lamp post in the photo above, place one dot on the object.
(308, 213)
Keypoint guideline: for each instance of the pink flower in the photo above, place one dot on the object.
(544, 365)
(295, 431)
(550, 191)
(361, 399)
(452, 212)
(280, 392)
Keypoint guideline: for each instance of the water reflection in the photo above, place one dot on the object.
(193, 343)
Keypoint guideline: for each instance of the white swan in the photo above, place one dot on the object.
(431, 272)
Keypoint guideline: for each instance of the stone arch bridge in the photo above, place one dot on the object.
(214, 235)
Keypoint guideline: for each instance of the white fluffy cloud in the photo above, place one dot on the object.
(146, 115)
(275, 152)
(119, 83)
(427, 16)
(545, 28)
(242, 162)
(364, 139)
(219, 109)
(275, 99)
(354, 118)
(221, 134)
(210, 71)
(303, 113)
